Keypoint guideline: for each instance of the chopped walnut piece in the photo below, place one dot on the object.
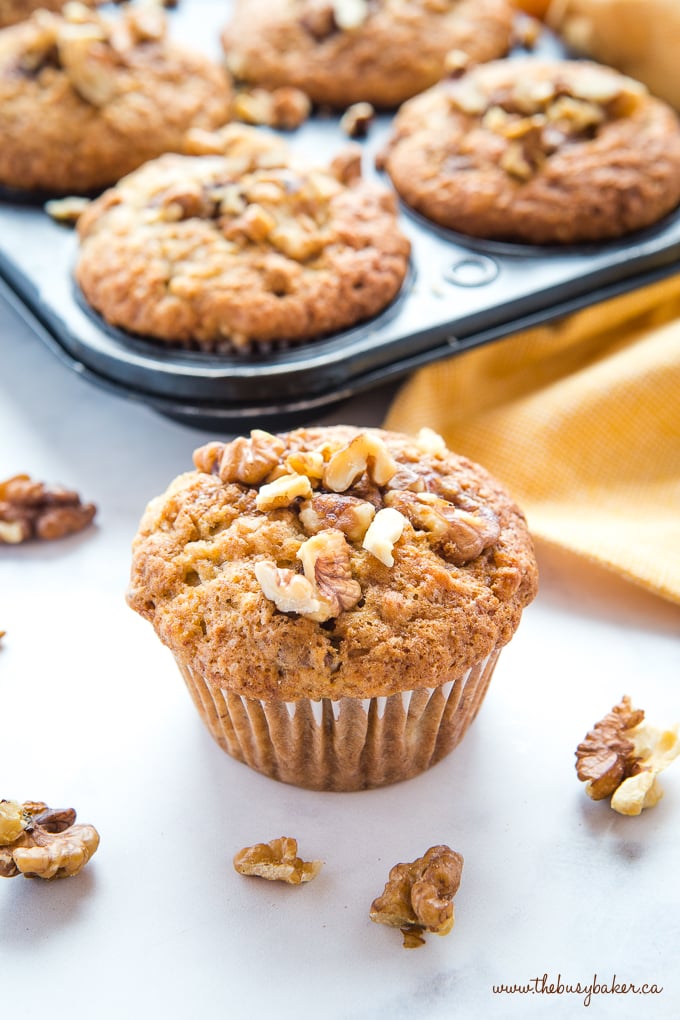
(291, 107)
(408, 479)
(290, 592)
(431, 442)
(243, 460)
(30, 509)
(41, 842)
(89, 62)
(306, 462)
(325, 560)
(348, 514)
(349, 14)
(318, 19)
(66, 210)
(383, 533)
(363, 453)
(622, 756)
(418, 896)
(514, 162)
(283, 491)
(253, 106)
(527, 32)
(346, 165)
(146, 22)
(357, 119)
(277, 861)
(324, 590)
(456, 62)
(463, 535)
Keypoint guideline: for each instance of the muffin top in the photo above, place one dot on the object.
(85, 99)
(229, 252)
(344, 51)
(332, 562)
(537, 151)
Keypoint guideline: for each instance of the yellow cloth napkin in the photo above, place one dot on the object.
(581, 420)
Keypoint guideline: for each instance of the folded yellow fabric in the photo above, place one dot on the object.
(581, 420)
(639, 37)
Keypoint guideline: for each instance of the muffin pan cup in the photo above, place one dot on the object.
(460, 293)
(343, 744)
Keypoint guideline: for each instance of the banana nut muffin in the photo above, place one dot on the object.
(335, 598)
(539, 152)
(230, 252)
(85, 99)
(344, 51)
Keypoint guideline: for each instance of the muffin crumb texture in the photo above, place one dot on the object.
(332, 563)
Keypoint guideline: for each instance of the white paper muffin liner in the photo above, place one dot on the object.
(344, 744)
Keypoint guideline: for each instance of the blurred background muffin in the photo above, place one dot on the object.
(86, 98)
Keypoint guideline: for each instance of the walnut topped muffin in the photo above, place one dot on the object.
(344, 51)
(85, 99)
(538, 152)
(339, 566)
(229, 252)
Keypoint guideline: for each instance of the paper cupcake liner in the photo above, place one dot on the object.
(344, 744)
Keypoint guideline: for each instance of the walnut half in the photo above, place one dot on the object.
(418, 897)
(622, 756)
(41, 842)
(277, 861)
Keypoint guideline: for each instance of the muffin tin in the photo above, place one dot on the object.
(460, 292)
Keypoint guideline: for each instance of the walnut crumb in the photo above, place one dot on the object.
(277, 861)
(41, 842)
(357, 119)
(418, 896)
(622, 756)
(66, 210)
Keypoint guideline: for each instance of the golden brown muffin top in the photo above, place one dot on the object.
(537, 151)
(332, 562)
(229, 251)
(86, 98)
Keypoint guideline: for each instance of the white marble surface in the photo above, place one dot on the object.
(94, 714)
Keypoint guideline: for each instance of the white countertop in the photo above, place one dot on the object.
(94, 715)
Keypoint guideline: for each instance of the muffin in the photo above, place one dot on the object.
(336, 599)
(231, 252)
(85, 99)
(540, 152)
(345, 51)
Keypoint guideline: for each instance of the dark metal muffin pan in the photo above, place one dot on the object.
(461, 292)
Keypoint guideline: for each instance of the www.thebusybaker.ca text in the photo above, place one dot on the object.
(546, 986)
